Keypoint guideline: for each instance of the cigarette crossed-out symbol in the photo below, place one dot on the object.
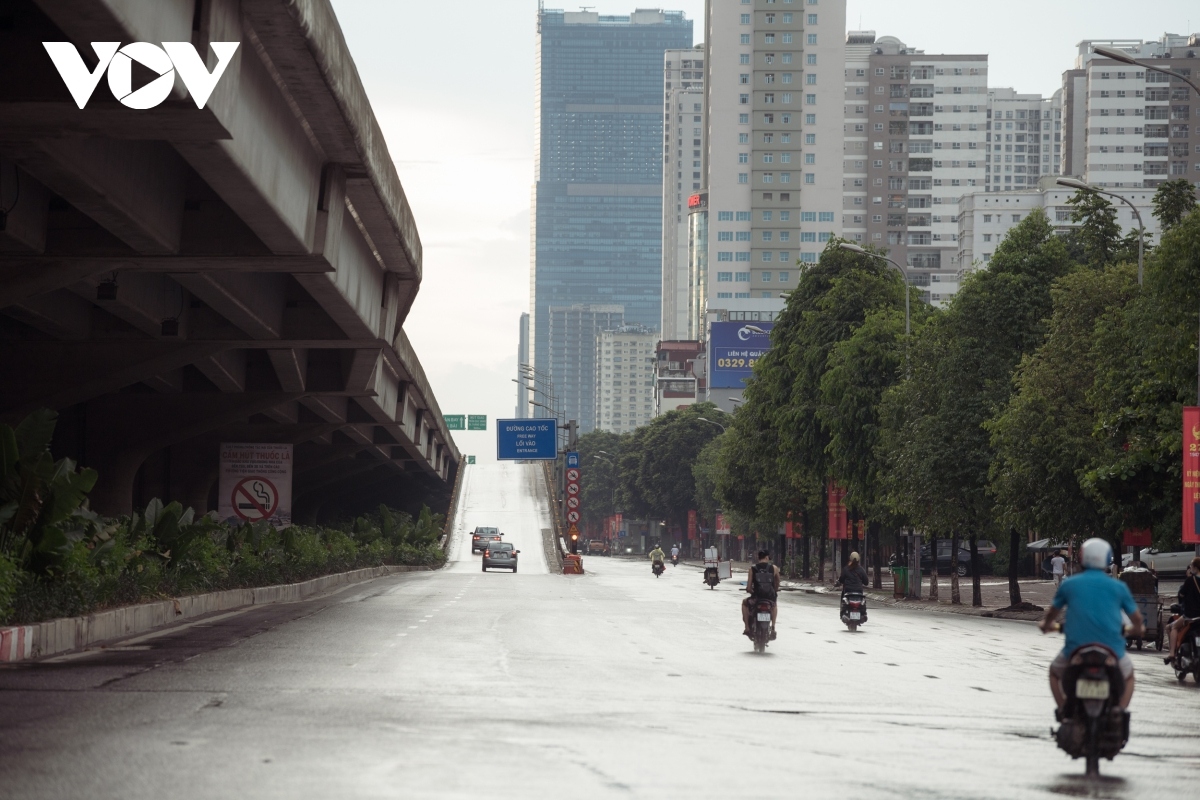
(255, 498)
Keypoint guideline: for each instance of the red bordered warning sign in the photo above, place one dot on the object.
(255, 498)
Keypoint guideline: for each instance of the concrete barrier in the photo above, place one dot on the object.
(24, 642)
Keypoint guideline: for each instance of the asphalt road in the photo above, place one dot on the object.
(612, 684)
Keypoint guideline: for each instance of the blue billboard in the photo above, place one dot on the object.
(526, 439)
(733, 349)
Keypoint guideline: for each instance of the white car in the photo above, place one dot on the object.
(1163, 563)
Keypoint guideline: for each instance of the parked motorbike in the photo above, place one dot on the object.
(1094, 726)
(710, 577)
(854, 609)
(1187, 654)
(760, 625)
(658, 568)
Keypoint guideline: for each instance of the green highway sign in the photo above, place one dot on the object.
(470, 459)
(455, 422)
(477, 422)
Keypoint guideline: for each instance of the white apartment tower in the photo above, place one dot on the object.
(773, 122)
(1128, 127)
(625, 375)
(1024, 139)
(683, 151)
(916, 131)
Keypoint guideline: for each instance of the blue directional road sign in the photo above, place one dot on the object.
(572, 459)
(526, 439)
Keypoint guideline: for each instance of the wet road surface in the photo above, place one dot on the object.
(459, 684)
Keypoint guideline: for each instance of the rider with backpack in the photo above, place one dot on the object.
(762, 583)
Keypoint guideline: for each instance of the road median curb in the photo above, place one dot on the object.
(41, 639)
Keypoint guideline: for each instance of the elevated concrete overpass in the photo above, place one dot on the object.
(175, 277)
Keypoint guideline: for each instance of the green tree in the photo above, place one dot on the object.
(935, 448)
(1146, 372)
(655, 466)
(599, 457)
(1174, 200)
(1044, 438)
(1097, 239)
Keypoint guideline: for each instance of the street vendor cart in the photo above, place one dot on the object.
(1143, 585)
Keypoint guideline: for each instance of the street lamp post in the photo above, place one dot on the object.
(710, 422)
(1125, 58)
(1072, 183)
(853, 248)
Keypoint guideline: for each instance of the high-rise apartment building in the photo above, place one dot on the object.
(597, 206)
(773, 172)
(916, 135)
(571, 357)
(1024, 139)
(683, 147)
(624, 378)
(1126, 127)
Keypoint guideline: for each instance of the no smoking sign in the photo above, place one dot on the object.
(255, 499)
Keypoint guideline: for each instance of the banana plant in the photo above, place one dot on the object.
(172, 528)
(40, 498)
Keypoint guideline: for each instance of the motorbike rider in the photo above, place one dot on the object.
(1189, 598)
(762, 583)
(854, 577)
(1094, 602)
(674, 552)
(657, 556)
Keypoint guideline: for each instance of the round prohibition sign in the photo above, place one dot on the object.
(572, 502)
(572, 517)
(255, 498)
(572, 488)
(573, 475)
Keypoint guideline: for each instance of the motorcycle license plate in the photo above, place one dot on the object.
(764, 616)
(855, 615)
(1087, 689)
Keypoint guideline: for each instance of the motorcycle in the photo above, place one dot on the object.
(675, 560)
(658, 568)
(1187, 654)
(854, 609)
(760, 624)
(1094, 726)
(710, 577)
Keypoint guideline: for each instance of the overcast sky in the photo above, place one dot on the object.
(452, 85)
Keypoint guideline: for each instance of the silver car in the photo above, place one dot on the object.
(1163, 563)
(500, 555)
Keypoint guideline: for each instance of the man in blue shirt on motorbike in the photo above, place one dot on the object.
(1094, 603)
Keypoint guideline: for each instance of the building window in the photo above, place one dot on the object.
(744, 58)
(766, 276)
(810, 158)
(724, 216)
(744, 38)
(767, 255)
(743, 177)
(745, 19)
(743, 257)
(724, 236)
(743, 236)
(724, 295)
(743, 158)
(812, 19)
(811, 39)
(724, 277)
(725, 256)
(743, 216)
(742, 277)
(744, 119)
(810, 99)
(810, 78)
(784, 277)
(785, 177)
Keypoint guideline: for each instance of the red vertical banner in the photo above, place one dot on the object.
(1191, 475)
(693, 525)
(839, 527)
(862, 529)
(787, 527)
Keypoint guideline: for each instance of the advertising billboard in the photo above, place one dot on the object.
(733, 349)
(1191, 475)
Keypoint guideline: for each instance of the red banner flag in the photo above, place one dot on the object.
(1136, 537)
(693, 525)
(1191, 475)
(838, 524)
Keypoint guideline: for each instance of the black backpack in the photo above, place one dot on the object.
(764, 581)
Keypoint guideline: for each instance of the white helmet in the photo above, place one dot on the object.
(1096, 554)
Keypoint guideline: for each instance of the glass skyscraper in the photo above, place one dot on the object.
(597, 209)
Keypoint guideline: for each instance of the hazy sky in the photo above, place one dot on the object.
(452, 85)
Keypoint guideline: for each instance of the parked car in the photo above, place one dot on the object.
(1163, 563)
(500, 555)
(963, 563)
(482, 536)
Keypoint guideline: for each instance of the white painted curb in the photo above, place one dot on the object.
(75, 633)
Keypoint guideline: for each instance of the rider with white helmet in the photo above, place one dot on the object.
(1094, 602)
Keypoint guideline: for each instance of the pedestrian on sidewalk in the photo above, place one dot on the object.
(1058, 567)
